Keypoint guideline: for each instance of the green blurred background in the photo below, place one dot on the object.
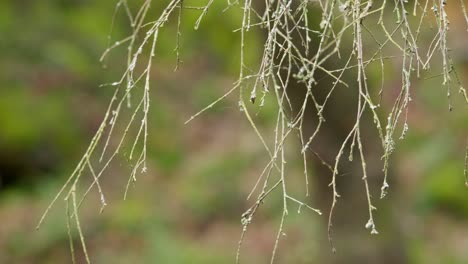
(187, 208)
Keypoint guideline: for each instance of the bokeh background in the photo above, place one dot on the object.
(187, 207)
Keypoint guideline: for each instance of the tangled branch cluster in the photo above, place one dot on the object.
(295, 49)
